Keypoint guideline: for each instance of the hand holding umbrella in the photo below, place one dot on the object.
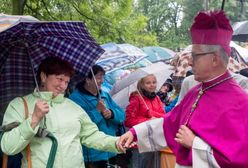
(103, 109)
(25, 45)
(107, 114)
(40, 110)
(100, 106)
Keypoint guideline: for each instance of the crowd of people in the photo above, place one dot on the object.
(202, 119)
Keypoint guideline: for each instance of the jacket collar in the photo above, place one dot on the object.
(217, 79)
(89, 95)
(48, 96)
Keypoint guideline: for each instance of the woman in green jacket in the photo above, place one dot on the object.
(67, 121)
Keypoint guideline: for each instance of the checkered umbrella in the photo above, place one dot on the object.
(26, 44)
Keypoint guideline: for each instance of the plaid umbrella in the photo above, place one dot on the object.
(26, 44)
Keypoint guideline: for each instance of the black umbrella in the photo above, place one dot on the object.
(222, 5)
(240, 31)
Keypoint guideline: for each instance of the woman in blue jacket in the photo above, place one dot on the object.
(102, 110)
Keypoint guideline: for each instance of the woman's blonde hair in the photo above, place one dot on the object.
(140, 84)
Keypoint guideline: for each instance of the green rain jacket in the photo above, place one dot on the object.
(67, 121)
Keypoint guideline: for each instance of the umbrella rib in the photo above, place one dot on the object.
(32, 67)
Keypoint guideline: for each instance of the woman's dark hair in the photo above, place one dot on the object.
(168, 82)
(55, 66)
(96, 69)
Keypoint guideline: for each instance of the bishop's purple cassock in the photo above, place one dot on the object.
(220, 118)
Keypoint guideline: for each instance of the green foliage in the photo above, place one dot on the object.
(138, 22)
(108, 21)
(164, 20)
(136, 33)
(236, 10)
(190, 9)
(5, 6)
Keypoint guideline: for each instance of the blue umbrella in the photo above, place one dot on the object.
(156, 54)
(140, 64)
(26, 44)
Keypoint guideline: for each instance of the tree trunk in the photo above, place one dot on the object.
(18, 7)
(206, 4)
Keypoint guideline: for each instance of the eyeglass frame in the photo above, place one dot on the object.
(194, 55)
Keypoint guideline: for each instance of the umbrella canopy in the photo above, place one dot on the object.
(124, 87)
(7, 21)
(240, 31)
(156, 54)
(132, 50)
(111, 51)
(142, 63)
(241, 50)
(24, 45)
(117, 56)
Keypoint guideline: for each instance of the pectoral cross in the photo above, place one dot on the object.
(199, 96)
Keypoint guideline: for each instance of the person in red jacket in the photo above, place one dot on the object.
(144, 105)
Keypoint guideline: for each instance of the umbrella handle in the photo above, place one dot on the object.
(223, 4)
(91, 70)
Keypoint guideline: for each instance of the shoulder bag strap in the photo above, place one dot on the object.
(5, 157)
(28, 147)
(5, 161)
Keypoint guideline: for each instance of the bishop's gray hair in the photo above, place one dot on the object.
(216, 48)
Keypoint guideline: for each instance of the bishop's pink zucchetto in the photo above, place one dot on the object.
(212, 28)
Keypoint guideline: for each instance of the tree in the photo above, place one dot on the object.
(108, 21)
(234, 9)
(4, 6)
(188, 17)
(171, 20)
(145, 22)
(18, 7)
(164, 20)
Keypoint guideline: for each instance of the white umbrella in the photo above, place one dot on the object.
(124, 87)
(240, 31)
(241, 50)
(8, 21)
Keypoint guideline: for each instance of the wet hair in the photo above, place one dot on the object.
(55, 66)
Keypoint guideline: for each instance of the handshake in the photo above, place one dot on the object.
(125, 141)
